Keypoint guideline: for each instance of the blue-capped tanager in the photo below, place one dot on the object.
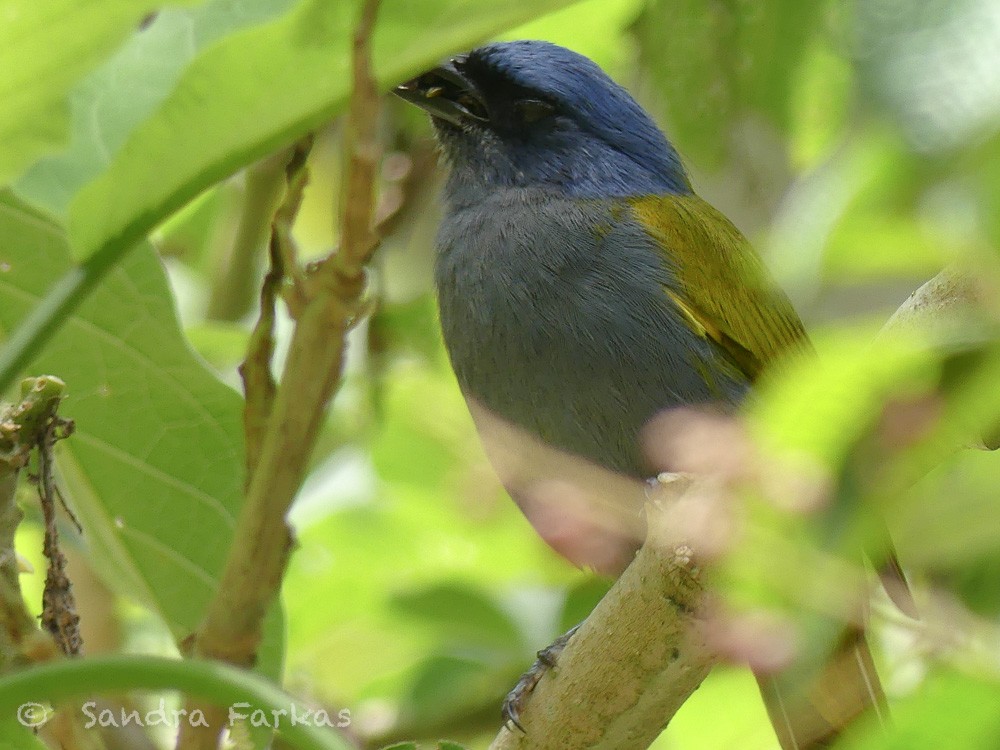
(583, 287)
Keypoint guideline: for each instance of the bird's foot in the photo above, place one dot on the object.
(517, 698)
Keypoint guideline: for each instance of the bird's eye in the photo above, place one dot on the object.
(472, 105)
(533, 110)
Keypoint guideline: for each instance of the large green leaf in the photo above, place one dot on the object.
(107, 105)
(45, 48)
(155, 468)
(242, 97)
(256, 90)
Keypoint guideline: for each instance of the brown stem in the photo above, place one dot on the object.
(262, 541)
(634, 661)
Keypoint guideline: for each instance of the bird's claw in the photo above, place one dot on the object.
(517, 698)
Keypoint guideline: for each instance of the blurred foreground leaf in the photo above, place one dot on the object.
(949, 709)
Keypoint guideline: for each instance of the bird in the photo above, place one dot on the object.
(583, 287)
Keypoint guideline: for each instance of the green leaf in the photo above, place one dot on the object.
(465, 616)
(949, 710)
(223, 344)
(822, 406)
(581, 600)
(445, 687)
(226, 685)
(154, 470)
(16, 736)
(256, 90)
(714, 63)
(126, 89)
(45, 48)
(730, 691)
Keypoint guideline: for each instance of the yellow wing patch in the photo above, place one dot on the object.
(722, 288)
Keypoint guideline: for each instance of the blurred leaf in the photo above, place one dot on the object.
(402, 746)
(730, 690)
(593, 28)
(819, 407)
(418, 445)
(449, 524)
(446, 745)
(581, 600)
(402, 326)
(195, 234)
(874, 242)
(16, 736)
(221, 343)
(717, 62)
(45, 48)
(269, 84)
(446, 686)
(949, 709)
(342, 559)
(822, 91)
(463, 615)
(984, 165)
(154, 469)
(959, 545)
(934, 64)
(128, 87)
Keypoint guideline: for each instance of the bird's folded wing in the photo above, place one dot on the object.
(721, 287)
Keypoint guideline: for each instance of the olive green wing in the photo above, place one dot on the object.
(722, 287)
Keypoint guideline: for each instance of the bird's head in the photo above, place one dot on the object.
(533, 114)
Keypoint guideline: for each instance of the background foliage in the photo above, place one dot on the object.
(857, 144)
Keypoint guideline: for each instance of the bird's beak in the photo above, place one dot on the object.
(447, 93)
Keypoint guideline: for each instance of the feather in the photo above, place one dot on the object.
(721, 284)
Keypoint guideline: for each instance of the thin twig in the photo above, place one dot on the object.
(22, 429)
(262, 541)
(258, 382)
(59, 615)
(361, 149)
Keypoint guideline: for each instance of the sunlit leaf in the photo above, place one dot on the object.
(128, 87)
(256, 90)
(45, 48)
(950, 710)
(154, 469)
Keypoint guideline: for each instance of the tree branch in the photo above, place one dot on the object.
(637, 657)
(641, 652)
(23, 427)
(262, 541)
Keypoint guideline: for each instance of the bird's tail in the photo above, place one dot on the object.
(845, 689)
